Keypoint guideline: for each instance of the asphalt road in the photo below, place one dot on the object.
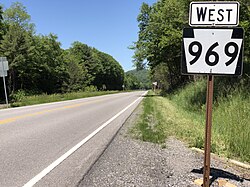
(55, 144)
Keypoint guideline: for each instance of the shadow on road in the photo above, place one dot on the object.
(218, 173)
(150, 95)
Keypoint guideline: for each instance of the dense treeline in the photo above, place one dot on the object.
(38, 64)
(137, 79)
(160, 37)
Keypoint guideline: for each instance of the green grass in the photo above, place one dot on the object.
(150, 127)
(183, 115)
(231, 118)
(44, 98)
(231, 123)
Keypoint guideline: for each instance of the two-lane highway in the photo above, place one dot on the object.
(55, 144)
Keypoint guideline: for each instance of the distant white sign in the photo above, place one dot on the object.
(3, 74)
(214, 13)
(216, 51)
(4, 66)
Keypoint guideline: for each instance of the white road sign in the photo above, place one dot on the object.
(3, 74)
(214, 13)
(214, 51)
(4, 66)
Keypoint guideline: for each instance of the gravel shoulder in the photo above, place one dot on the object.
(130, 162)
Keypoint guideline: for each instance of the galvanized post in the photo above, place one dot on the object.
(209, 103)
(5, 92)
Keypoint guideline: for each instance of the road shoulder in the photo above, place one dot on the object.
(130, 162)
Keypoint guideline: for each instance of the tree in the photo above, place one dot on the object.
(141, 46)
(160, 38)
(160, 34)
(37, 63)
(111, 74)
(16, 43)
(46, 64)
(140, 77)
(84, 56)
(131, 82)
(95, 67)
(76, 78)
(245, 23)
(1, 23)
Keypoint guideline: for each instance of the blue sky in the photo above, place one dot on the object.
(108, 25)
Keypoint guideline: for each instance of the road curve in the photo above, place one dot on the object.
(55, 144)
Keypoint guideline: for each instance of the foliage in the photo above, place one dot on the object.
(137, 79)
(45, 65)
(16, 42)
(90, 89)
(2, 29)
(87, 66)
(159, 47)
(38, 64)
(159, 40)
(110, 75)
(18, 96)
(160, 37)
(131, 82)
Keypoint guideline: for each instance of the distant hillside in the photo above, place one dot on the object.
(137, 79)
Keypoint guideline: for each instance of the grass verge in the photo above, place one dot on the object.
(149, 126)
(44, 98)
(177, 116)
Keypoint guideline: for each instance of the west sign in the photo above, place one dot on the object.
(214, 13)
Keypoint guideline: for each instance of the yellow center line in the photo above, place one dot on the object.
(12, 119)
(8, 120)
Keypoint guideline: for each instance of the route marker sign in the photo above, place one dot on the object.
(214, 13)
(214, 51)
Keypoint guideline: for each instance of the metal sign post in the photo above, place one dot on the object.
(209, 104)
(213, 45)
(155, 84)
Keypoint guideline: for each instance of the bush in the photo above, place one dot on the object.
(18, 96)
(90, 89)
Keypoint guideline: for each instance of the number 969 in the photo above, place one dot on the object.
(210, 52)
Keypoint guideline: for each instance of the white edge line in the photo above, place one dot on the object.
(43, 173)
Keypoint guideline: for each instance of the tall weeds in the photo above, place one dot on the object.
(231, 116)
(182, 115)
